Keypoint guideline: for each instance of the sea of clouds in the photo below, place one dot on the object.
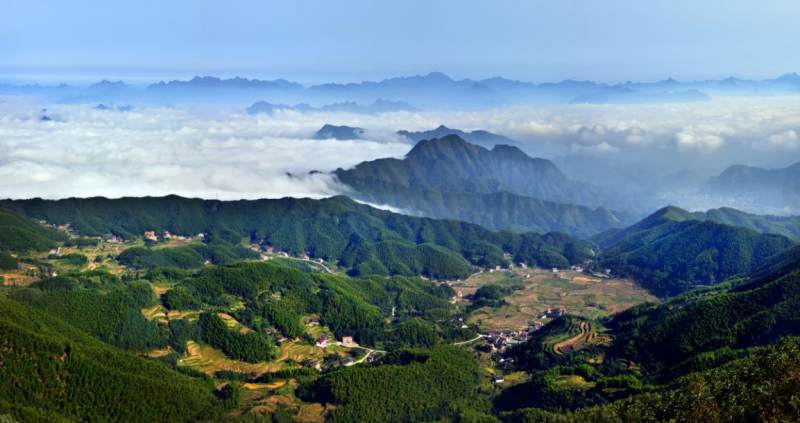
(202, 151)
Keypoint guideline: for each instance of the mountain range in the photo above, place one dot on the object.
(378, 106)
(362, 239)
(499, 188)
(673, 251)
(478, 137)
(433, 90)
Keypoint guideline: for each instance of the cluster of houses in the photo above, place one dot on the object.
(271, 251)
(166, 235)
(347, 341)
(499, 341)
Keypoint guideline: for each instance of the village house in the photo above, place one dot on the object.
(322, 342)
(348, 341)
(150, 236)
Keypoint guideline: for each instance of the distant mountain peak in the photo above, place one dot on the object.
(338, 132)
(509, 151)
(478, 137)
(441, 76)
(436, 146)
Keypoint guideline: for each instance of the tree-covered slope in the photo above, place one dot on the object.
(669, 252)
(414, 385)
(50, 370)
(788, 226)
(498, 210)
(761, 386)
(361, 238)
(450, 164)
(725, 354)
(501, 188)
(18, 233)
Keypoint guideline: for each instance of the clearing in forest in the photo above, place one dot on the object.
(534, 291)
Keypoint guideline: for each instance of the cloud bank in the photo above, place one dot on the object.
(227, 154)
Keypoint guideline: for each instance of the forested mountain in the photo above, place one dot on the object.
(18, 233)
(450, 164)
(53, 372)
(478, 137)
(788, 226)
(501, 188)
(670, 252)
(774, 188)
(501, 211)
(726, 354)
(358, 237)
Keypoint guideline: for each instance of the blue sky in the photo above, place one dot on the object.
(313, 41)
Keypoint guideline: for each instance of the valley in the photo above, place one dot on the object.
(537, 295)
(272, 332)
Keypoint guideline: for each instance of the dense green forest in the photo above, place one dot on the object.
(185, 257)
(761, 386)
(251, 347)
(18, 233)
(409, 385)
(101, 305)
(52, 372)
(450, 164)
(707, 349)
(501, 188)
(362, 239)
(75, 343)
(670, 254)
(279, 296)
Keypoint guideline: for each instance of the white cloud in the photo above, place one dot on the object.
(163, 151)
(213, 153)
(787, 140)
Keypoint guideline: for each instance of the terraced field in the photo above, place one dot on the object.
(537, 290)
(208, 360)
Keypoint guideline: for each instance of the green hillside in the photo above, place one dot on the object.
(18, 233)
(360, 238)
(50, 370)
(501, 188)
(498, 210)
(669, 252)
(727, 354)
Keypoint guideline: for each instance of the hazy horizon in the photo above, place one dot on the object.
(352, 40)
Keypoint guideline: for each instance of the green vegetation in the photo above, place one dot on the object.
(501, 188)
(74, 259)
(762, 386)
(7, 261)
(251, 347)
(185, 257)
(490, 295)
(52, 371)
(726, 354)
(668, 254)
(18, 233)
(360, 238)
(101, 305)
(415, 385)
(72, 347)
